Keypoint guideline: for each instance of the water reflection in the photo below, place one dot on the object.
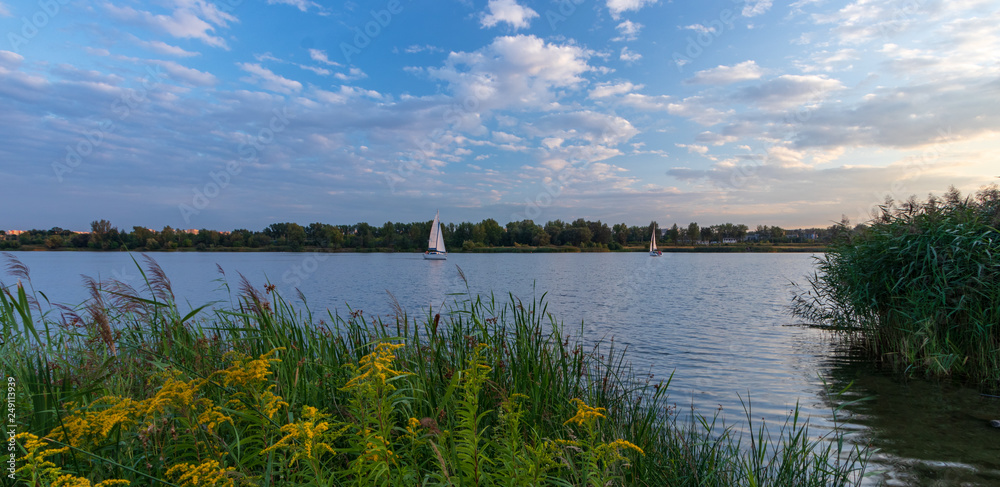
(927, 433)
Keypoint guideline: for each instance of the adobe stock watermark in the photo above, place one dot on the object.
(249, 152)
(300, 273)
(902, 14)
(122, 108)
(710, 32)
(563, 11)
(364, 35)
(31, 26)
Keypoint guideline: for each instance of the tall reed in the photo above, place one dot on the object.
(489, 391)
(919, 287)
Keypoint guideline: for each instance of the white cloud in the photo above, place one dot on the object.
(646, 102)
(302, 5)
(321, 56)
(628, 31)
(161, 47)
(722, 75)
(509, 12)
(513, 71)
(10, 60)
(268, 80)
(788, 91)
(694, 148)
(186, 74)
(352, 75)
(618, 6)
(604, 90)
(701, 29)
(754, 8)
(4, 11)
(191, 19)
(629, 56)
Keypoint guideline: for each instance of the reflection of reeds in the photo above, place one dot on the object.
(520, 350)
(919, 287)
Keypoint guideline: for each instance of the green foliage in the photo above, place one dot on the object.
(919, 286)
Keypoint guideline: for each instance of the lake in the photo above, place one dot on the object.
(719, 322)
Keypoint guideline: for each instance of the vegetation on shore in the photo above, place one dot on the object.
(918, 288)
(127, 390)
(526, 235)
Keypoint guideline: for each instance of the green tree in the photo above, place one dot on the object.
(620, 233)
(693, 232)
(674, 234)
(494, 232)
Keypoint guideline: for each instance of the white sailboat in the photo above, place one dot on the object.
(653, 251)
(435, 243)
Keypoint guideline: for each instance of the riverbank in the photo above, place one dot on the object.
(723, 248)
(262, 393)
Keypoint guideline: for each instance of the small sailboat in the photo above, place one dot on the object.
(435, 243)
(653, 251)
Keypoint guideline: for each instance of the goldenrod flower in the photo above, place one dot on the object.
(585, 415)
(253, 373)
(308, 437)
(208, 474)
(375, 367)
(74, 481)
(619, 445)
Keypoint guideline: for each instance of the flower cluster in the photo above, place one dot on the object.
(207, 474)
(585, 415)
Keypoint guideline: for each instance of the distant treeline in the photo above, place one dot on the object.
(407, 237)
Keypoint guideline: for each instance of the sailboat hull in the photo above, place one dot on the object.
(655, 253)
(435, 256)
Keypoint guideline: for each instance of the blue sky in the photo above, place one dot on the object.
(239, 113)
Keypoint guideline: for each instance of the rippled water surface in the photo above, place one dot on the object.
(718, 322)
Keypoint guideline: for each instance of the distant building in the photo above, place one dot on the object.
(728, 240)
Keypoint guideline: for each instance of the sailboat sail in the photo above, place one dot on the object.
(652, 243)
(435, 242)
(435, 235)
(440, 238)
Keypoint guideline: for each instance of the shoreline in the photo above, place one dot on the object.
(785, 248)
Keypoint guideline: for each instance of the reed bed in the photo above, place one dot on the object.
(126, 390)
(919, 287)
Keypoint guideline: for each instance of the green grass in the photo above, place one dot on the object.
(919, 288)
(481, 393)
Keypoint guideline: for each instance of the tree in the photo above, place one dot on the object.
(693, 232)
(494, 232)
(599, 232)
(620, 231)
(100, 231)
(673, 234)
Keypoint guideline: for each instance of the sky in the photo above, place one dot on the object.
(239, 113)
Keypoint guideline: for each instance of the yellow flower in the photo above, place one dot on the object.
(375, 367)
(34, 463)
(208, 474)
(412, 427)
(74, 481)
(585, 415)
(619, 445)
(307, 438)
(253, 373)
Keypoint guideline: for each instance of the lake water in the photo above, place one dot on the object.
(719, 322)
